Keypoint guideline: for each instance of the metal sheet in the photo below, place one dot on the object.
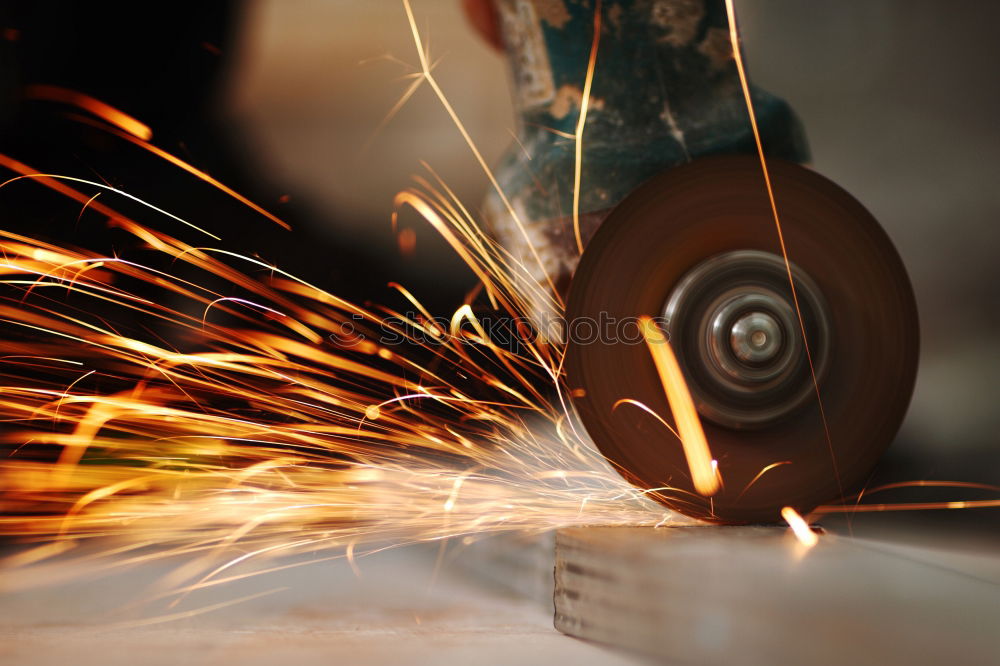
(754, 595)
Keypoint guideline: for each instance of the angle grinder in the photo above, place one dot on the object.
(799, 391)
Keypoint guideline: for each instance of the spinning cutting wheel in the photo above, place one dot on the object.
(697, 246)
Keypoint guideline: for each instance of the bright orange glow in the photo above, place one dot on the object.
(188, 401)
(803, 533)
(104, 111)
(268, 417)
(426, 68)
(406, 240)
(762, 472)
(196, 172)
(906, 506)
(699, 457)
(58, 184)
(930, 484)
(643, 407)
(262, 437)
(582, 123)
(871, 507)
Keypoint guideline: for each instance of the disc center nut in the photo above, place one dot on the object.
(756, 338)
(733, 322)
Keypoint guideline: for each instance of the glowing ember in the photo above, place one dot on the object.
(226, 415)
(269, 416)
(699, 458)
(211, 429)
(94, 106)
(799, 526)
(582, 123)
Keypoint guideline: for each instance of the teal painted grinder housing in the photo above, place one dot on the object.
(665, 91)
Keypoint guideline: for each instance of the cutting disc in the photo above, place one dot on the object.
(697, 246)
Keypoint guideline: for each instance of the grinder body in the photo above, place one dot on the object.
(799, 348)
(665, 91)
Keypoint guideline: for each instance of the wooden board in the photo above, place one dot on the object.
(754, 595)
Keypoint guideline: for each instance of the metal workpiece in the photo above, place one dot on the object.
(755, 595)
(665, 91)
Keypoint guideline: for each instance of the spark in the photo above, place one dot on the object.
(94, 106)
(432, 82)
(734, 39)
(800, 528)
(191, 169)
(51, 179)
(699, 457)
(762, 472)
(907, 506)
(418, 80)
(581, 124)
(517, 140)
(645, 408)
(157, 432)
(914, 506)
(218, 437)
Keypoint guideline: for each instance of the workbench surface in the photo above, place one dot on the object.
(397, 612)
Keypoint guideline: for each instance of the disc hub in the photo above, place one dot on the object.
(755, 337)
(733, 323)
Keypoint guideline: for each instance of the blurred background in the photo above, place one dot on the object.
(285, 101)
